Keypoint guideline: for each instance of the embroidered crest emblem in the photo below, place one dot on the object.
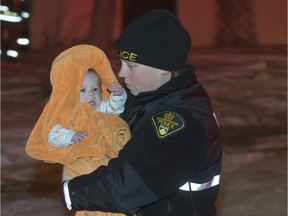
(167, 123)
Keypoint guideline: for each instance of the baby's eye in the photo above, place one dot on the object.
(95, 89)
(82, 90)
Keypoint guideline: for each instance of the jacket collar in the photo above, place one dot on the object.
(185, 79)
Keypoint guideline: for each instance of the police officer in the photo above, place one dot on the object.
(172, 163)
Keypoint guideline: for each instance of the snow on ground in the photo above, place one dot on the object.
(248, 90)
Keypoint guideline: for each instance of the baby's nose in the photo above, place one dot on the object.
(91, 93)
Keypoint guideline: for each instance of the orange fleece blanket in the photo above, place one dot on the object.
(108, 133)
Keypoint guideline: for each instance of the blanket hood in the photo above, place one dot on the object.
(107, 132)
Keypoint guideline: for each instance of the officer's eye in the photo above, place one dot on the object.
(82, 90)
(130, 65)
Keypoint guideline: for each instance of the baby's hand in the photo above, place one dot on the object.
(79, 136)
(116, 89)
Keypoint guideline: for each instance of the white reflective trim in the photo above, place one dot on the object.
(66, 195)
(214, 114)
(198, 187)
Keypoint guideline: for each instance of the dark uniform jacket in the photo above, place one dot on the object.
(175, 139)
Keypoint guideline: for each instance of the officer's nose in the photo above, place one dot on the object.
(122, 73)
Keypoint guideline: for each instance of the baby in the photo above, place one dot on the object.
(90, 93)
(75, 108)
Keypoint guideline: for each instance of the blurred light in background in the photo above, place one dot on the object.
(10, 17)
(12, 53)
(14, 18)
(23, 41)
(25, 14)
(4, 8)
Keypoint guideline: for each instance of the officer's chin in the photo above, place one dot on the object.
(134, 93)
(132, 90)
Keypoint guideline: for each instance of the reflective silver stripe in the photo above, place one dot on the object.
(198, 187)
(66, 195)
(214, 114)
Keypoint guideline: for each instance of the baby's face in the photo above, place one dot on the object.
(90, 91)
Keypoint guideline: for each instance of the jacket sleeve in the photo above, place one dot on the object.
(59, 136)
(121, 190)
(149, 167)
(114, 105)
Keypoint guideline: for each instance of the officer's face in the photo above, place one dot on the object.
(141, 78)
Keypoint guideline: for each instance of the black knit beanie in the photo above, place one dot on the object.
(155, 39)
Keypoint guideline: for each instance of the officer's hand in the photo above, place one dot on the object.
(65, 175)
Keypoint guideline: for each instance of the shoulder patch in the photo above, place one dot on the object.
(166, 123)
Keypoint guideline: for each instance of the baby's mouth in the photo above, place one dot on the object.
(92, 103)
